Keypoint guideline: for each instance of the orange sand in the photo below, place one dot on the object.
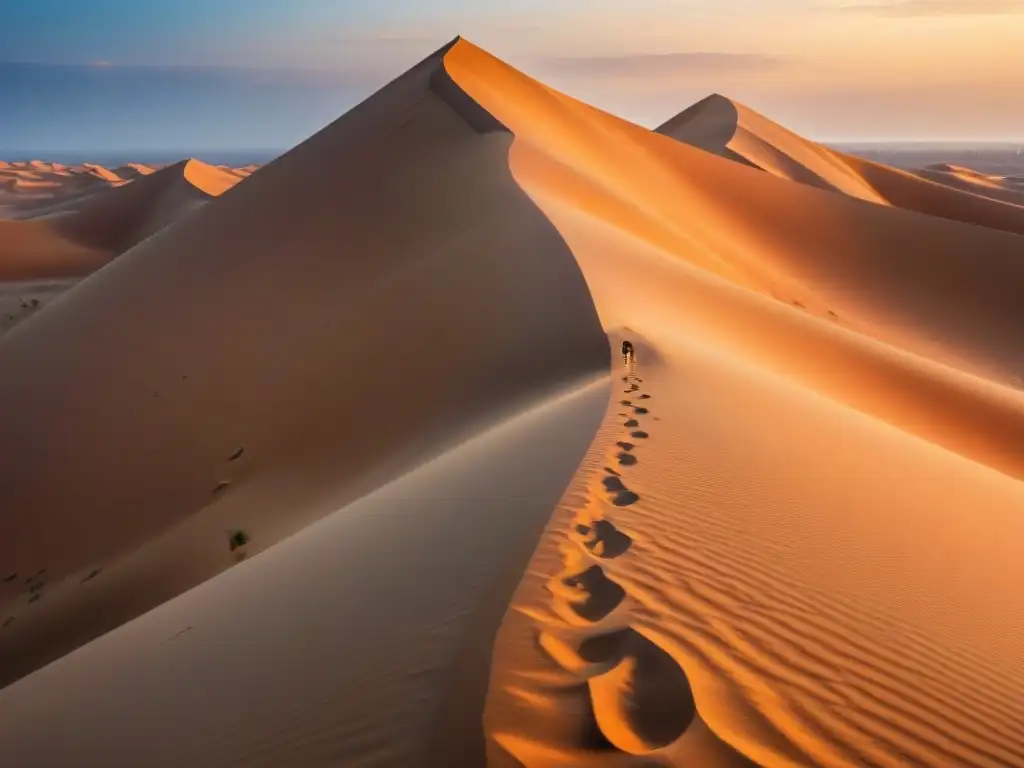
(732, 130)
(794, 540)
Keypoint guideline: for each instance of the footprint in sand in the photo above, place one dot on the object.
(640, 697)
(645, 701)
(607, 648)
(621, 495)
(92, 575)
(626, 459)
(8, 621)
(606, 541)
(8, 579)
(599, 594)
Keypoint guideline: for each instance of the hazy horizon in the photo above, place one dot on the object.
(262, 73)
(260, 156)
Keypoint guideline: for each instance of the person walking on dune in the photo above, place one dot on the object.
(628, 355)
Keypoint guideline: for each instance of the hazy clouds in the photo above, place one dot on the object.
(660, 65)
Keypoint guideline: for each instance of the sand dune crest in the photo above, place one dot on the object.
(732, 130)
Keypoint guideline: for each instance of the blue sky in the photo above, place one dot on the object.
(167, 74)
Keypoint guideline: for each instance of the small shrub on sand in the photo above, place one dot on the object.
(238, 539)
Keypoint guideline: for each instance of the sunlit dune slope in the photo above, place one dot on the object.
(375, 295)
(938, 288)
(102, 173)
(777, 500)
(732, 130)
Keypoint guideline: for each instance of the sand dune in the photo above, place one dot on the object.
(35, 249)
(771, 236)
(916, 193)
(794, 539)
(133, 170)
(121, 217)
(1002, 188)
(731, 130)
(102, 173)
(29, 183)
(39, 188)
(83, 231)
(249, 367)
(565, 157)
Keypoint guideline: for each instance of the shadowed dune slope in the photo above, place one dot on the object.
(133, 170)
(730, 129)
(84, 229)
(116, 219)
(293, 318)
(364, 639)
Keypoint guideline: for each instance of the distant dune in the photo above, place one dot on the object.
(88, 216)
(1006, 189)
(729, 129)
(732, 130)
(331, 464)
(132, 170)
(118, 218)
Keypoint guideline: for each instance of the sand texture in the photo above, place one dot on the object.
(732, 130)
(336, 461)
(59, 224)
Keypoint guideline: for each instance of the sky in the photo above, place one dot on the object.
(133, 75)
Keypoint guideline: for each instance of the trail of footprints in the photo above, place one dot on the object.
(640, 698)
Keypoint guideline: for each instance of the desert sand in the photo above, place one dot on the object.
(1005, 188)
(341, 465)
(66, 222)
(730, 129)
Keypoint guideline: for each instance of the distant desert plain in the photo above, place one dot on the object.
(337, 462)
